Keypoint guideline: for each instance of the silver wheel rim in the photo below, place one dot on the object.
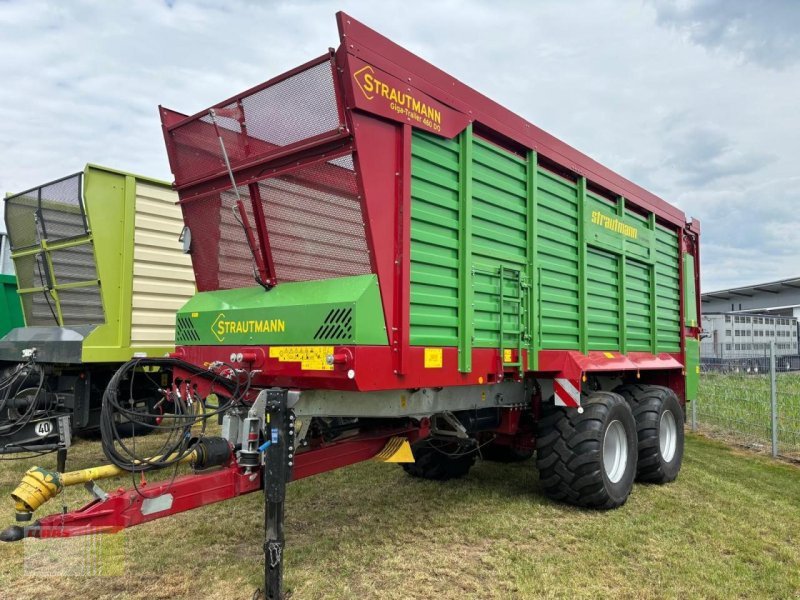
(667, 435)
(615, 451)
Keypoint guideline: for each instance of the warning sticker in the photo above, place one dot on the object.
(311, 358)
(433, 358)
(507, 355)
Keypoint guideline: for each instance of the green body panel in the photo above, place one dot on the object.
(692, 368)
(10, 308)
(434, 241)
(110, 215)
(507, 254)
(668, 321)
(343, 310)
(689, 291)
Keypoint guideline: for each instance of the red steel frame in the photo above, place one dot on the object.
(124, 508)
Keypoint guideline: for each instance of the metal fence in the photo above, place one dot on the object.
(753, 401)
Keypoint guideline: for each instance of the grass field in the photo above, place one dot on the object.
(728, 528)
(736, 407)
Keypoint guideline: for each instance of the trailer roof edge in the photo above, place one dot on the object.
(369, 45)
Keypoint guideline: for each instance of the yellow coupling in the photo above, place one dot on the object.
(37, 487)
(40, 485)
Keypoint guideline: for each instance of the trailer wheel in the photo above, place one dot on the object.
(504, 454)
(659, 426)
(434, 459)
(588, 459)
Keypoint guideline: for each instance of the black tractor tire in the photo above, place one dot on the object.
(440, 461)
(659, 428)
(505, 454)
(573, 447)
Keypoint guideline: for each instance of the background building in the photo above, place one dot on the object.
(739, 323)
(736, 335)
(775, 298)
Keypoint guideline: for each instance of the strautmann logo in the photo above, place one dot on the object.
(221, 326)
(400, 102)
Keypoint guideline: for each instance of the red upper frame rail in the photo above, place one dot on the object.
(361, 42)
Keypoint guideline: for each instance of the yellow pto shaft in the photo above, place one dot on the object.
(39, 485)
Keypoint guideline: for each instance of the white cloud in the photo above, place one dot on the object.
(633, 85)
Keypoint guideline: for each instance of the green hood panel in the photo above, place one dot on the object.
(344, 310)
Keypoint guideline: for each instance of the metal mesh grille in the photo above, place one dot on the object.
(221, 257)
(81, 306)
(39, 307)
(53, 212)
(257, 124)
(313, 220)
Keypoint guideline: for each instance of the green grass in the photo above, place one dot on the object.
(736, 406)
(729, 527)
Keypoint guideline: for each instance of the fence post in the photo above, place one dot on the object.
(773, 399)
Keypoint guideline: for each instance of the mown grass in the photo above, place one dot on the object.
(728, 528)
(736, 407)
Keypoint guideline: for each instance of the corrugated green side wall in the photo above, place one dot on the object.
(476, 252)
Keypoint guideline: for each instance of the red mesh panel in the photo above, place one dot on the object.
(313, 220)
(221, 257)
(257, 124)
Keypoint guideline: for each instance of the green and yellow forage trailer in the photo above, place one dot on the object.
(391, 265)
(101, 274)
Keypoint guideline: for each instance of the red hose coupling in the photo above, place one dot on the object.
(342, 357)
(249, 356)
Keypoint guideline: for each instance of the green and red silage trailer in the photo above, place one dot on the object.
(401, 260)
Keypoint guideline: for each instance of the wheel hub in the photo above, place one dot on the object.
(667, 435)
(615, 451)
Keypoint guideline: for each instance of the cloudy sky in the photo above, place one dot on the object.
(696, 100)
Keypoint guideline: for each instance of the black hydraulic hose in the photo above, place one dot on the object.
(12, 428)
(179, 442)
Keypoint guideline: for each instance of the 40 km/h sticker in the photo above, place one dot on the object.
(311, 358)
(43, 428)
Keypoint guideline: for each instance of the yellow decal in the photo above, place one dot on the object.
(311, 358)
(507, 356)
(403, 401)
(483, 396)
(195, 315)
(697, 369)
(401, 102)
(433, 358)
(608, 354)
(614, 225)
(221, 327)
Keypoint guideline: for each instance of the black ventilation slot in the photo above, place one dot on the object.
(185, 331)
(338, 325)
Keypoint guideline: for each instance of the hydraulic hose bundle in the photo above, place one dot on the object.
(187, 410)
(10, 384)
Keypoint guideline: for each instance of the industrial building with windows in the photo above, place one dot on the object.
(742, 335)
(740, 323)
